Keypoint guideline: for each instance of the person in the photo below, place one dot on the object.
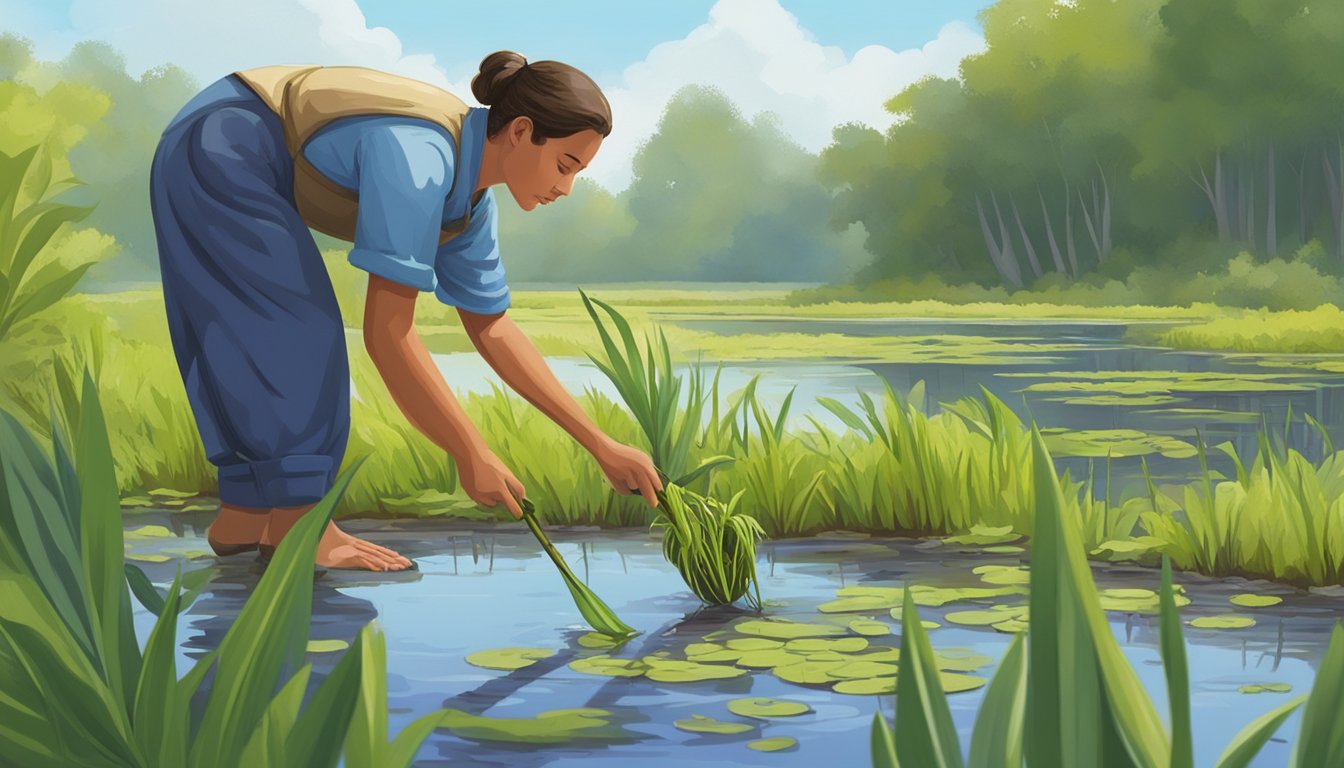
(405, 171)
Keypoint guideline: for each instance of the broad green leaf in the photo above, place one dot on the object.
(317, 736)
(996, 741)
(156, 701)
(103, 547)
(269, 635)
(1320, 740)
(925, 734)
(1177, 673)
(1250, 740)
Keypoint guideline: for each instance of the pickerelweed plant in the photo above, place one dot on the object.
(1064, 694)
(712, 544)
(76, 689)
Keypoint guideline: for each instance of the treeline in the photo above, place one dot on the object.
(1092, 137)
(1092, 143)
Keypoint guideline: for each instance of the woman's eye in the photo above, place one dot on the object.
(563, 169)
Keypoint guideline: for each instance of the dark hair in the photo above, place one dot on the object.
(560, 100)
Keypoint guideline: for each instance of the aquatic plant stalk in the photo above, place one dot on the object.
(711, 544)
(598, 615)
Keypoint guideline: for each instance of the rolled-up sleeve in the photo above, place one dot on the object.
(404, 174)
(469, 271)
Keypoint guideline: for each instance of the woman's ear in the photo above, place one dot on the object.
(520, 130)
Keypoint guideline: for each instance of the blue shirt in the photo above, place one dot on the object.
(411, 182)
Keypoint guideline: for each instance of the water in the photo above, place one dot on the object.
(482, 586)
(1082, 347)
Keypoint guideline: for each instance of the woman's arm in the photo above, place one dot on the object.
(513, 356)
(414, 381)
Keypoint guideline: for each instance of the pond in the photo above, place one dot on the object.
(482, 586)
(1077, 376)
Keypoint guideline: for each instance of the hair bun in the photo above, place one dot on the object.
(497, 72)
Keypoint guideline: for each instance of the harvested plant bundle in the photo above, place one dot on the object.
(711, 544)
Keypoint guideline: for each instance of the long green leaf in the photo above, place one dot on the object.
(996, 741)
(1250, 740)
(156, 690)
(102, 545)
(1320, 740)
(318, 734)
(1177, 672)
(270, 634)
(266, 747)
(883, 744)
(598, 615)
(925, 735)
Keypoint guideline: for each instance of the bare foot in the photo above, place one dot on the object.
(236, 529)
(336, 549)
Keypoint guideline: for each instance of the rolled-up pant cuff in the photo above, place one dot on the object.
(289, 481)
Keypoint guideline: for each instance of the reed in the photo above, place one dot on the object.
(77, 688)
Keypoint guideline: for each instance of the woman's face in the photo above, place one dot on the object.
(538, 174)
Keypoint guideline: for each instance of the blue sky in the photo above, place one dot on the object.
(456, 31)
(813, 64)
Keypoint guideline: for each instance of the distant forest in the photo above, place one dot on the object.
(1091, 141)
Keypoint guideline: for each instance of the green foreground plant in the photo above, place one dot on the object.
(77, 690)
(1085, 703)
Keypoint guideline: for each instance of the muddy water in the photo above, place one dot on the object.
(482, 586)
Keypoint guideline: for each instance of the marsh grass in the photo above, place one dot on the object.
(891, 470)
(1064, 694)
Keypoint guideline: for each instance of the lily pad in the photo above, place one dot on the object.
(955, 683)
(985, 534)
(854, 670)
(146, 557)
(869, 627)
(767, 707)
(137, 501)
(753, 644)
(871, 599)
(702, 724)
(1135, 600)
(959, 660)
(169, 493)
(508, 658)
(555, 726)
(1003, 575)
(1224, 621)
(326, 646)
(808, 672)
(768, 658)
(813, 644)
(609, 666)
(875, 653)
(1004, 549)
(1246, 600)
(599, 640)
(1265, 688)
(773, 744)
(873, 686)
(933, 597)
(148, 532)
(1011, 625)
(995, 615)
(677, 671)
(787, 630)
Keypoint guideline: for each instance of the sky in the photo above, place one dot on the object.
(815, 64)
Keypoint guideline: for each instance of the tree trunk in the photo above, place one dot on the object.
(1213, 192)
(1332, 184)
(1220, 192)
(1302, 199)
(1009, 256)
(1050, 236)
(1070, 248)
(1003, 262)
(1026, 241)
(1271, 214)
(1105, 216)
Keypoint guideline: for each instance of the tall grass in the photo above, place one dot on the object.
(891, 469)
(1085, 703)
(77, 690)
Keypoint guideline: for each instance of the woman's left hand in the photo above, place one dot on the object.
(629, 470)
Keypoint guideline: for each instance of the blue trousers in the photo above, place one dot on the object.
(253, 318)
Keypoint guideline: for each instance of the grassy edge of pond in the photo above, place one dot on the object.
(893, 471)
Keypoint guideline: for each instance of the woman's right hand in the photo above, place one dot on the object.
(488, 482)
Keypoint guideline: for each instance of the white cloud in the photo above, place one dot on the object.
(763, 60)
(210, 39)
(753, 50)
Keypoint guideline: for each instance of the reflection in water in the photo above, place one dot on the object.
(483, 585)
